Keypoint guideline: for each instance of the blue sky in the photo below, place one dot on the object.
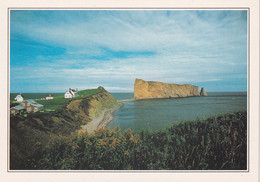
(53, 50)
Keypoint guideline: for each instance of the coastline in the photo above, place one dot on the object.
(101, 121)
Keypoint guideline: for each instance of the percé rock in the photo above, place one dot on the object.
(152, 89)
(203, 92)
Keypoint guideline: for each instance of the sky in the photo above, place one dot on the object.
(53, 50)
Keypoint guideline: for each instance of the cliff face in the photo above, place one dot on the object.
(91, 107)
(151, 89)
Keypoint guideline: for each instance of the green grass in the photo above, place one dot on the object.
(54, 104)
(88, 92)
(59, 101)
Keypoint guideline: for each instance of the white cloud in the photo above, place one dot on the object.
(129, 33)
(185, 47)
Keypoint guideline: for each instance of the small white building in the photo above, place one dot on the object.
(19, 98)
(70, 93)
(49, 97)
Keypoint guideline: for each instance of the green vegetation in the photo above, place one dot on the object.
(88, 92)
(59, 101)
(217, 143)
(54, 104)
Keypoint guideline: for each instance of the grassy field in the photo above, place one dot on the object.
(59, 101)
(54, 104)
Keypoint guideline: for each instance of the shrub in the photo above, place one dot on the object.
(217, 143)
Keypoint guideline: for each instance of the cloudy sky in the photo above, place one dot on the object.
(53, 50)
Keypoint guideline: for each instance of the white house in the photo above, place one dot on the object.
(19, 98)
(70, 93)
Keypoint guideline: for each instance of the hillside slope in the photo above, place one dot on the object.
(29, 135)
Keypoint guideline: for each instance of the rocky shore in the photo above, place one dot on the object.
(101, 121)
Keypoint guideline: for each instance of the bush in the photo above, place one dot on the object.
(217, 143)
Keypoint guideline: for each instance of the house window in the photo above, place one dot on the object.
(29, 109)
(28, 104)
(12, 111)
(23, 104)
(35, 109)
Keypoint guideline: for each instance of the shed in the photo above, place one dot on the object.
(49, 97)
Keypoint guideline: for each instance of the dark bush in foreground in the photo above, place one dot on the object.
(217, 143)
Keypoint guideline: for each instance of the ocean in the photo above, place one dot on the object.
(156, 114)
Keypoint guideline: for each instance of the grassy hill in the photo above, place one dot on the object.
(30, 135)
(88, 92)
(59, 101)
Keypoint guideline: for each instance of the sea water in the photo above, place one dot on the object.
(156, 114)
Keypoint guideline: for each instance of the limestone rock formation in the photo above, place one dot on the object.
(203, 92)
(151, 89)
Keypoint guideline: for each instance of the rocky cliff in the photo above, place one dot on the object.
(203, 92)
(90, 107)
(151, 89)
